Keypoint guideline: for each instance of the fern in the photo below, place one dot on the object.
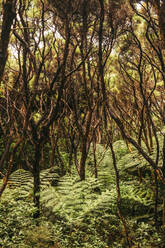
(20, 178)
(24, 179)
(85, 212)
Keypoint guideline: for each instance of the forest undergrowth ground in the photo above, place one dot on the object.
(84, 214)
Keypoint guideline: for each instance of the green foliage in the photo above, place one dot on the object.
(87, 213)
(24, 179)
(40, 236)
(120, 149)
(21, 178)
(18, 228)
(133, 163)
(16, 214)
(83, 214)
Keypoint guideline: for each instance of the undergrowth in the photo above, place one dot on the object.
(83, 214)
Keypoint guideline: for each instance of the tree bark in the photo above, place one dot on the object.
(83, 160)
(118, 193)
(163, 171)
(8, 17)
(36, 176)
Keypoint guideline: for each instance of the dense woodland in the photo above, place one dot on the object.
(82, 123)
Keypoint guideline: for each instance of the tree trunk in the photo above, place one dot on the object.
(95, 160)
(118, 194)
(163, 171)
(162, 23)
(11, 159)
(36, 176)
(8, 17)
(83, 161)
